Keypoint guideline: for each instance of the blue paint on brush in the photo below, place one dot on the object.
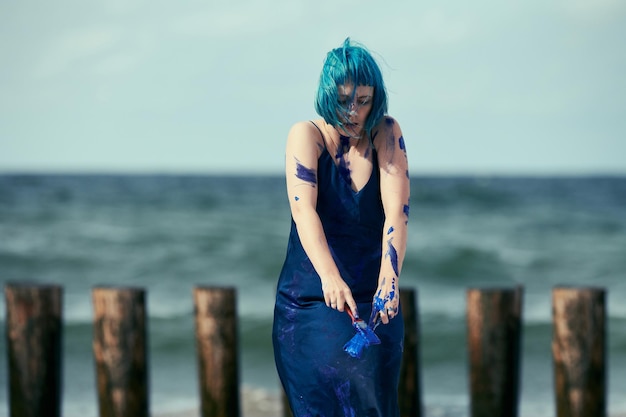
(363, 338)
(306, 174)
(355, 346)
(393, 255)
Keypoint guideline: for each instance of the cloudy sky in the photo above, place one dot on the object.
(480, 87)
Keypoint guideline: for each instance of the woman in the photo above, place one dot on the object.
(348, 189)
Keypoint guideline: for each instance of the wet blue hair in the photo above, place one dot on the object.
(350, 64)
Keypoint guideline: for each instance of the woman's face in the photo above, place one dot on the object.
(358, 107)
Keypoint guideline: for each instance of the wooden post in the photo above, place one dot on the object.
(494, 339)
(119, 347)
(286, 408)
(217, 344)
(33, 334)
(578, 350)
(410, 389)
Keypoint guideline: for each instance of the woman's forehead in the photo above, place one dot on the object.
(362, 90)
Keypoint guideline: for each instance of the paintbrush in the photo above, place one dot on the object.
(363, 338)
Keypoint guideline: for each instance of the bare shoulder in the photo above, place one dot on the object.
(305, 135)
(386, 134)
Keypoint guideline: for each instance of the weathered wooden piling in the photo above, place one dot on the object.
(410, 388)
(120, 351)
(217, 345)
(33, 335)
(578, 350)
(285, 402)
(494, 339)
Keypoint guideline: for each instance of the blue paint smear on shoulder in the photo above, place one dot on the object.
(306, 174)
(401, 143)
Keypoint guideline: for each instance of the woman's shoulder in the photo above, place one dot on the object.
(307, 132)
(388, 127)
(386, 122)
(303, 126)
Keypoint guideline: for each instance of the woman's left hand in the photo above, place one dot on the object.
(386, 302)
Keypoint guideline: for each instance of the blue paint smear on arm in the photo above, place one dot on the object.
(393, 255)
(306, 174)
(391, 229)
(296, 198)
(405, 209)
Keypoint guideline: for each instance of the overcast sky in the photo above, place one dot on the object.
(480, 87)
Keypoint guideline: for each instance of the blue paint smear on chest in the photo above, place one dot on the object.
(306, 174)
(344, 170)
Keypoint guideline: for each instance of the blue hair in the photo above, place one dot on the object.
(350, 64)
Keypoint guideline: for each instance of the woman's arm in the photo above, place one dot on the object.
(395, 192)
(304, 146)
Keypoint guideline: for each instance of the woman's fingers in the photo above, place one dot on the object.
(338, 298)
(352, 304)
(384, 317)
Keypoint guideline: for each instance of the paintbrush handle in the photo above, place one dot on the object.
(350, 313)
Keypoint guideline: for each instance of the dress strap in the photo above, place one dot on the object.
(319, 130)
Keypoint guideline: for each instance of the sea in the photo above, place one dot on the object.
(171, 233)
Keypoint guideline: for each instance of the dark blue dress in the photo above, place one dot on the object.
(319, 378)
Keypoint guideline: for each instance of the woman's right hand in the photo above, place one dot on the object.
(337, 294)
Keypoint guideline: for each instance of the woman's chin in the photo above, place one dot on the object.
(353, 130)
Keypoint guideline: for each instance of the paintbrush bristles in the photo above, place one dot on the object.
(355, 346)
